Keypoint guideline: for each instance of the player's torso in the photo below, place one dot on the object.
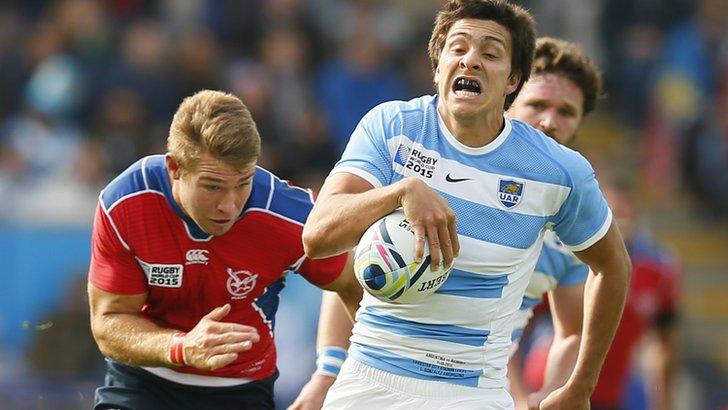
(187, 278)
(501, 214)
(188, 272)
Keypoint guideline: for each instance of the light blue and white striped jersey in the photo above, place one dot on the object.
(505, 195)
(556, 266)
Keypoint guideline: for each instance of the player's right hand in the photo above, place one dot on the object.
(313, 393)
(431, 218)
(213, 344)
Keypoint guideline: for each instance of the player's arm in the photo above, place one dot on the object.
(604, 296)
(348, 205)
(332, 342)
(567, 306)
(124, 335)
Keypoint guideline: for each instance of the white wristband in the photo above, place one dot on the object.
(329, 360)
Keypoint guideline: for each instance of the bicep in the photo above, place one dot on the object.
(343, 183)
(104, 303)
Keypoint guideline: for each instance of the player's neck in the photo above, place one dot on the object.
(477, 131)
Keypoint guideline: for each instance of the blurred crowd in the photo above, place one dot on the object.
(88, 86)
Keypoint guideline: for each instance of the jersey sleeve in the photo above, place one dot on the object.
(367, 154)
(321, 272)
(584, 217)
(575, 272)
(113, 267)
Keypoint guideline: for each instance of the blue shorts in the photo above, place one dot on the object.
(128, 387)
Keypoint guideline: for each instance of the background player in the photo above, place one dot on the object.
(190, 251)
(563, 88)
(649, 320)
(481, 53)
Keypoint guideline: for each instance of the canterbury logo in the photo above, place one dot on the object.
(197, 256)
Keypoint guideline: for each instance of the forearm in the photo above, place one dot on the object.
(332, 341)
(560, 362)
(334, 328)
(604, 298)
(338, 221)
(133, 339)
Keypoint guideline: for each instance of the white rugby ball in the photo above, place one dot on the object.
(384, 262)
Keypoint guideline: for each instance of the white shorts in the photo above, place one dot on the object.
(363, 387)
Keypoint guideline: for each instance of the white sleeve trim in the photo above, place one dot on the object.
(113, 225)
(270, 194)
(360, 173)
(594, 238)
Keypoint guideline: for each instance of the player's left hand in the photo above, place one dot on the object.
(562, 398)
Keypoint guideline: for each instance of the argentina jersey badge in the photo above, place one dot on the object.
(509, 192)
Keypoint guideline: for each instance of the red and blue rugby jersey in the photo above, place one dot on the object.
(143, 242)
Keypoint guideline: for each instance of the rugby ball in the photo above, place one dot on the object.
(384, 262)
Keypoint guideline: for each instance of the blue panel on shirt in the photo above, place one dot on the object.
(473, 285)
(262, 184)
(268, 301)
(128, 182)
(529, 302)
(495, 225)
(291, 202)
(558, 262)
(445, 333)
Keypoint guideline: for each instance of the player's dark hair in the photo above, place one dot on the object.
(554, 56)
(217, 123)
(514, 18)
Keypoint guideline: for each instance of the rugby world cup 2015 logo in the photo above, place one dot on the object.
(402, 154)
(240, 283)
(510, 192)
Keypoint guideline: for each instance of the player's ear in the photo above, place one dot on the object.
(513, 81)
(436, 76)
(173, 167)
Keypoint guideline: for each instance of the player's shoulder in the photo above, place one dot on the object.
(279, 197)
(399, 110)
(575, 166)
(144, 176)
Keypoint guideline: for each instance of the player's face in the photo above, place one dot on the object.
(551, 103)
(214, 194)
(473, 75)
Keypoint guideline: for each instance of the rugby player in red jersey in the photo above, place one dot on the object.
(189, 253)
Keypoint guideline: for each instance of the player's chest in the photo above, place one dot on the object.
(237, 267)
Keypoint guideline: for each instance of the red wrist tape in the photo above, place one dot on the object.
(176, 350)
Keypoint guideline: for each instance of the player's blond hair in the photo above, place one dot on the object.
(515, 19)
(217, 123)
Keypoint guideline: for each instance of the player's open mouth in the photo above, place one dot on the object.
(466, 87)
